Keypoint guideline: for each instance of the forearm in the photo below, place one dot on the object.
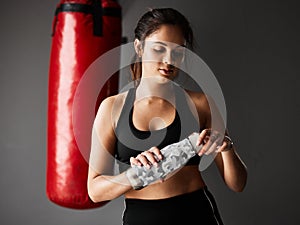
(105, 188)
(175, 156)
(234, 170)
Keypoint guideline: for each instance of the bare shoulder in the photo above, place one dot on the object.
(199, 99)
(200, 102)
(111, 106)
(112, 101)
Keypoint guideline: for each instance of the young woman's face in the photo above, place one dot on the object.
(163, 52)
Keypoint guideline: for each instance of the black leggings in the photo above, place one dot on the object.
(198, 207)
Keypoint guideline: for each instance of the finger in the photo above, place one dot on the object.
(210, 145)
(209, 140)
(212, 148)
(134, 161)
(143, 159)
(202, 136)
(150, 156)
(215, 137)
(203, 149)
(157, 153)
(223, 147)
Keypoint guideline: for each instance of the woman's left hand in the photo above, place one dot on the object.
(213, 142)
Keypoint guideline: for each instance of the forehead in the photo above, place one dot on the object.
(167, 33)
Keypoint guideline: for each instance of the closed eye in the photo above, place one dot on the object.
(159, 49)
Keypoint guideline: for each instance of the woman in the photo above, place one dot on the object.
(155, 113)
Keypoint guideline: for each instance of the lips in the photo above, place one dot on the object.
(166, 71)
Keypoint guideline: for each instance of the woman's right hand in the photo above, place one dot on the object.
(147, 158)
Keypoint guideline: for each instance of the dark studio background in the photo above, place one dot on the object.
(253, 49)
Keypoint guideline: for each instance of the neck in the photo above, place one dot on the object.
(150, 88)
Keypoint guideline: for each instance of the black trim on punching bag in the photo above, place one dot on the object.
(97, 18)
(96, 9)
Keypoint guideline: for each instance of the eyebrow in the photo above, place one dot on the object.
(162, 43)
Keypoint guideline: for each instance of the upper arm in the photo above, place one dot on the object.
(101, 159)
(203, 110)
(213, 117)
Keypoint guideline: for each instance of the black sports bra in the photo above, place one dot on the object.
(131, 141)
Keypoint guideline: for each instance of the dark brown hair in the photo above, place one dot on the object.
(150, 22)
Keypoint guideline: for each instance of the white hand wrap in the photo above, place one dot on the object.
(175, 156)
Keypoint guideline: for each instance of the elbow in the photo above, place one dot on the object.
(96, 198)
(93, 197)
(93, 194)
(99, 193)
(239, 186)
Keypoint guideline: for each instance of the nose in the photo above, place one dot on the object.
(168, 59)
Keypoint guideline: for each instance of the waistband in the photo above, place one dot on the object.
(178, 198)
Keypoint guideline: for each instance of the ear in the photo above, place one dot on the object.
(138, 47)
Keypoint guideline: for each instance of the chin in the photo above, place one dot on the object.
(165, 79)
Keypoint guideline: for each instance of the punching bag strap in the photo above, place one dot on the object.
(95, 9)
(97, 17)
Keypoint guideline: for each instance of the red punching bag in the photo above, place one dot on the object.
(82, 31)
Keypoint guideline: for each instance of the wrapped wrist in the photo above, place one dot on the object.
(193, 141)
(133, 179)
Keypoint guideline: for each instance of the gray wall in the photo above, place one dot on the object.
(253, 49)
